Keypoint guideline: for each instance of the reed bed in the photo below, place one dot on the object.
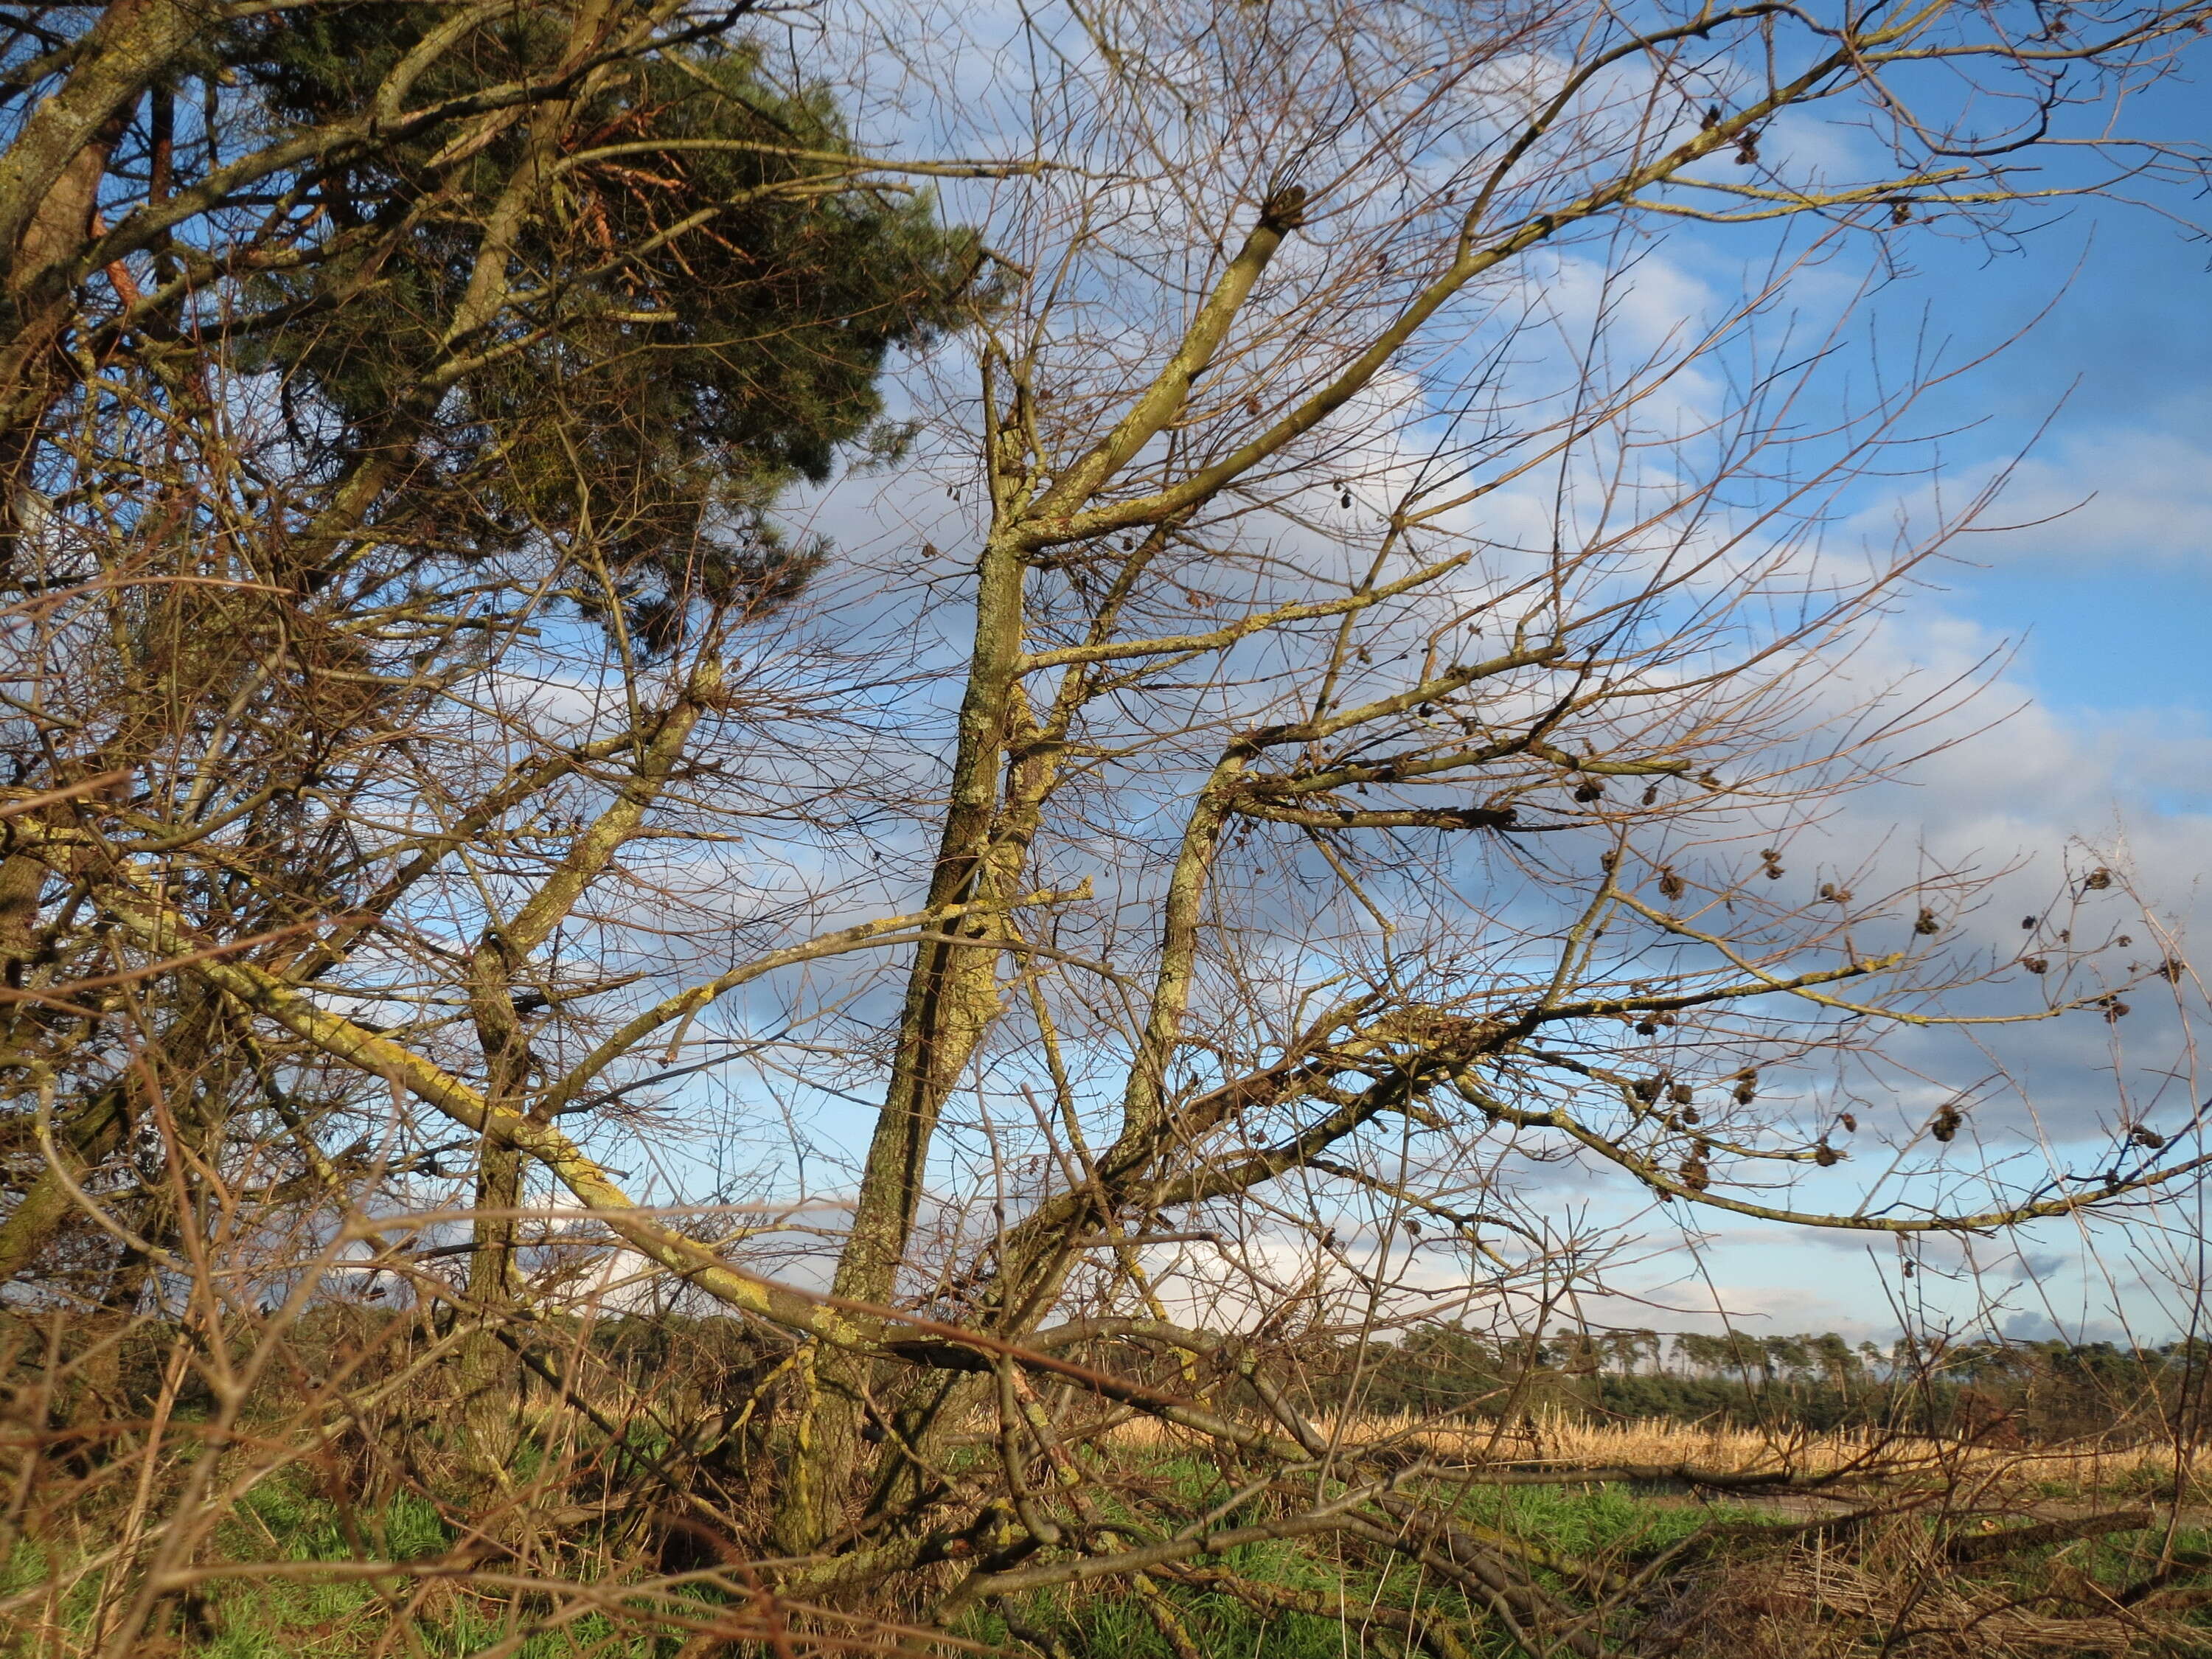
(1578, 1442)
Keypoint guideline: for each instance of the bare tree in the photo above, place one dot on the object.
(1387, 689)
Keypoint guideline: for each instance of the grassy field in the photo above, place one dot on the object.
(291, 1613)
(1748, 1584)
(2078, 1471)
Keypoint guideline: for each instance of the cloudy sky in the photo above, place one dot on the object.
(2089, 580)
(2094, 571)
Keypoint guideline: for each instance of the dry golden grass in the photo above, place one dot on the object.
(1891, 1593)
(1574, 1443)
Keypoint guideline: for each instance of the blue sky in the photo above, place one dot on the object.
(2104, 405)
(2107, 401)
(2109, 603)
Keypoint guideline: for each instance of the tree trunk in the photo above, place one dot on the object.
(951, 998)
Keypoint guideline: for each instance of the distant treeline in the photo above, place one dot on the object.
(2026, 1391)
(705, 1369)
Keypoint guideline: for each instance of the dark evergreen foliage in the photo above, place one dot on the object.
(709, 302)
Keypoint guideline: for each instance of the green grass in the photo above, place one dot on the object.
(302, 1618)
(283, 1520)
(1113, 1622)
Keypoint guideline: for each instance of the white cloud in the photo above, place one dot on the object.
(2114, 495)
